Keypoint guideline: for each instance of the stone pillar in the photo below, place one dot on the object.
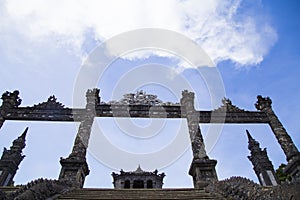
(264, 104)
(75, 168)
(202, 168)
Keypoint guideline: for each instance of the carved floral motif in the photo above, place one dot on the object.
(50, 104)
(228, 107)
(141, 98)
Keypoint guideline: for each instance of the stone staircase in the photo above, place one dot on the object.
(138, 194)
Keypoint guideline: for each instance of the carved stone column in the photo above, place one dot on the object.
(264, 104)
(202, 168)
(75, 167)
(292, 154)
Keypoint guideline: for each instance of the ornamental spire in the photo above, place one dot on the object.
(10, 160)
(261, 164)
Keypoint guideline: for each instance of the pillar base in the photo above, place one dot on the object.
(293, 169)
(74, 170)
(203, 172)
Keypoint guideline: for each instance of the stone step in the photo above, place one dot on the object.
(8, 189)
(138, 194)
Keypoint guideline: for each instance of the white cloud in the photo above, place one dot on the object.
(217, 26)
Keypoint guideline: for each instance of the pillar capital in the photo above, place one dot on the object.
(187, 94)
(187, 100)
(263, 103)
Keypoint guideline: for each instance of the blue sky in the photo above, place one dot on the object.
(254, 45)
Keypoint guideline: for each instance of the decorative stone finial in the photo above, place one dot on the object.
(253, 145)
(187, 100)
(92, 96)
(263, 103)
(20, 141)
(11, 99)
(139, 170)
(187, 94)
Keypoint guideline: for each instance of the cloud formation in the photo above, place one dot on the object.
(226, 30)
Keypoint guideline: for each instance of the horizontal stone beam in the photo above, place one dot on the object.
(246, 117)
(134, 111)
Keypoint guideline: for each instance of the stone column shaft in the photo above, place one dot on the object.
(282, 136)
(202, 168)
(192, 117)
(291, 152)
(264, 104)
(75, 167)
(82, 137)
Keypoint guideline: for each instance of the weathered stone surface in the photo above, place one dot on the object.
(40, 189)
(152, 108)
(10, 160)
(203, 171)
(75, 168)
(264, 104)
(262, 166)
(238, 188)
(187, 102)
(293, 169)
(202, 168)
(10, 100)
